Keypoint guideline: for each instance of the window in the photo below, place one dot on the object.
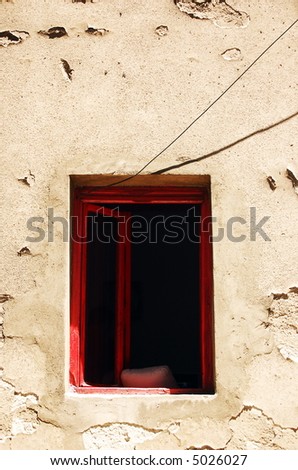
(141, 290)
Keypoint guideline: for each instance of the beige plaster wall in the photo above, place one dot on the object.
(131, 91)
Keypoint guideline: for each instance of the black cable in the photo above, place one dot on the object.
(222, 149)
(205, 111)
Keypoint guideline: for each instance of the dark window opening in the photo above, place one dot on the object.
(164, 283)
(100, 306)
(141, 287)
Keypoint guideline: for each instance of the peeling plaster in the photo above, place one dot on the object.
(126, 436)
(19, 415)
(120, 436)
(283, 322)
(3, 298)
(200, 448)
(254, 430)
(203, 433)
(232, 54)
(164, 440)
(24, 251)
(293, 290)
(2, 313)
(293, 178)
(12, 37)
(28, 180)
(162, 30)
(54, 32)
(218, 11)
(66, 69)
(46, 437)
(97, 31)
(272, 183)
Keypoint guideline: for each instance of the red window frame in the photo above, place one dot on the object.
(88, 199)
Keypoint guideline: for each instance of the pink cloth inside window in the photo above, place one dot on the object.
(148, 377)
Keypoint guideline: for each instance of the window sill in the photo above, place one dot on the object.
(86, 390)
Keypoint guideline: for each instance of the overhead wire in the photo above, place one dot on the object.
(205, 110)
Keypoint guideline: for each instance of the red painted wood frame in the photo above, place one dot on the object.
(90, 200)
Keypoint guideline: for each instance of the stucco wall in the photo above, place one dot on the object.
(126, 93)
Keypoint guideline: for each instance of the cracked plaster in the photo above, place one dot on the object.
(218, 11)
(120, 436)
(17, 412)
(101, 123)
(253, 430)
(283, 322)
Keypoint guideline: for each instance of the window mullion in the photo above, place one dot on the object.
(127, 291)
(120, 302)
